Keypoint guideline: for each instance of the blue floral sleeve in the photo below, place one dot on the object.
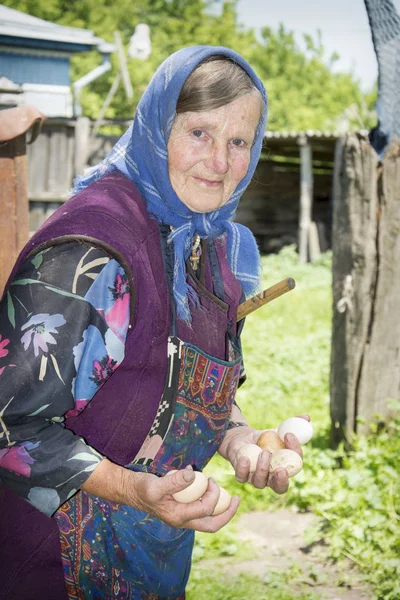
(63, 324)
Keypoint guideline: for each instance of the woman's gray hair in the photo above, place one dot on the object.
(215, 82)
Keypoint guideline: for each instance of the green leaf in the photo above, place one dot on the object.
(39, 410)
(48, 287)
(10, 309)
(37, 260)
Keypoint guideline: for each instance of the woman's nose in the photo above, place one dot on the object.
(217, 161)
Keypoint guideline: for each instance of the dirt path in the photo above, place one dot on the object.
(279, 538)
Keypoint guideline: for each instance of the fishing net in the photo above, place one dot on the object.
(385, 28)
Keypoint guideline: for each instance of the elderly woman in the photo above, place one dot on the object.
(120, 348)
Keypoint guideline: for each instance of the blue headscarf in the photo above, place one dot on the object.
(141, 154)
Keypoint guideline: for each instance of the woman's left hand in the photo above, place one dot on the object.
(261, 477)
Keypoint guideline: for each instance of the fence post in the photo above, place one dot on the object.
(82, 135)
(365, 353)
(306, 197)
(14, 208)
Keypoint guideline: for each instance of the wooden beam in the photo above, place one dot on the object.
(14, 215)
(306, 197)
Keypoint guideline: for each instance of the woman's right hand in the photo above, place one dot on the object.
(153, 494)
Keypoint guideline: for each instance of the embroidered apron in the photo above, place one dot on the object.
(112, 550)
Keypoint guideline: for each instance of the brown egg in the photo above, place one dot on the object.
(224, 501)
(270, 440)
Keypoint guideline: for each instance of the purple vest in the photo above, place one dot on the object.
(111, 213)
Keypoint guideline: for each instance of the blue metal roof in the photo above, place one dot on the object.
(20, 29)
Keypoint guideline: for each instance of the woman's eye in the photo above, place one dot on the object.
(238, 142)
(197, 132)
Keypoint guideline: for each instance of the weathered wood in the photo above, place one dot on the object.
(380, 371)
(51, 168)
(264, 297)
(306, 195)
(7, 218)
(14, 125)
(37, 164)
(366, 292)
(21, 197)
(55, 162)
(81, 143)
(13, 204)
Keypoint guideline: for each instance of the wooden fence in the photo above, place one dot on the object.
(365, 363)
(52, 164)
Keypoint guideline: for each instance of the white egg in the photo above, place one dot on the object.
(250, 451)
(301, 428)
(224, 501)
(288, 459)
(194, 491)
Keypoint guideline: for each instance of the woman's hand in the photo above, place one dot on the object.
(261, 477)
(153, 494)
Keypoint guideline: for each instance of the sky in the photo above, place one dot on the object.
(343, 24)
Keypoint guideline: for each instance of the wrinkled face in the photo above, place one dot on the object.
(209, 152)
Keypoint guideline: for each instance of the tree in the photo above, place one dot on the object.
(304, 93)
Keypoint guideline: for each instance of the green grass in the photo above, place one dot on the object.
(286, 347)
(244, 587)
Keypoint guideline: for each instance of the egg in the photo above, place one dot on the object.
(270, 440)
(194, 491)
(288, 459)
(301, 428)
(250, 451)
(224, 501)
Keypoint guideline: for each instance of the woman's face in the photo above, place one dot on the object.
(209, 152)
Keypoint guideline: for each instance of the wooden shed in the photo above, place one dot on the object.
(291, 190)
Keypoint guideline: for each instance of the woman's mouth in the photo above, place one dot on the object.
(208, 182)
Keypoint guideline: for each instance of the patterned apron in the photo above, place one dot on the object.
(112, 550)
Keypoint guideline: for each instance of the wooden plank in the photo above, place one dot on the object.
(56, 172)
(38, 156)
(49, 197)
(69, 161)
(50, 209)
(37, 215)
